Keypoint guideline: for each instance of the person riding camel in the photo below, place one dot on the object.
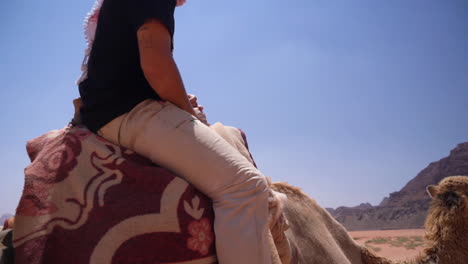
(133, 95)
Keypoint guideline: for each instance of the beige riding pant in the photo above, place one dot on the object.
(174, 139)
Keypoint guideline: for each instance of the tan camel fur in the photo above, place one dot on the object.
(314, 236)
(446, 225)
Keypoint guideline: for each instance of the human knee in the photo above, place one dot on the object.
(250, 190)
(259, 186)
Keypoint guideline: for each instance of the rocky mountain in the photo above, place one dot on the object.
(406, 208)
(4, 217)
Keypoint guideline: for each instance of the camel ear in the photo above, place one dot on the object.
(432, 191)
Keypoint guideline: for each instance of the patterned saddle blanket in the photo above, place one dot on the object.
(86, 200)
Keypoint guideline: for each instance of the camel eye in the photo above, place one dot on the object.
(450, 199)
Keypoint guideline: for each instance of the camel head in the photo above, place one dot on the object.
(448, 214)
(446, 225)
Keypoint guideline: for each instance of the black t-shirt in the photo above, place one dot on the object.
(116, 82)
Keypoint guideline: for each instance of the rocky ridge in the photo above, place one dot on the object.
(407, 208)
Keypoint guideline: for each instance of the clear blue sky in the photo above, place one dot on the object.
(347, 99)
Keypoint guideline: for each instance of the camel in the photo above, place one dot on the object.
(446, 226)
(321, 240)
(308, 234)
(305, 233)
(325, 240)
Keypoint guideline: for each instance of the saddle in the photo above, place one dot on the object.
(86, 200)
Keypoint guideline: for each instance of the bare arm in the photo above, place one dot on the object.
(159, 67)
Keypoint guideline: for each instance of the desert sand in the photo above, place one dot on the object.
(392, 244)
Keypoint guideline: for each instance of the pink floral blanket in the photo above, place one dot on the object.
(86, 200)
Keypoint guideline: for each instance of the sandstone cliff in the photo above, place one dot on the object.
(406, 208)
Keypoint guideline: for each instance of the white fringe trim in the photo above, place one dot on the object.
(90, 25)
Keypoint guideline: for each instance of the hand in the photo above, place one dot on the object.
(201, 115)
(198, 109)
(193, 100)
